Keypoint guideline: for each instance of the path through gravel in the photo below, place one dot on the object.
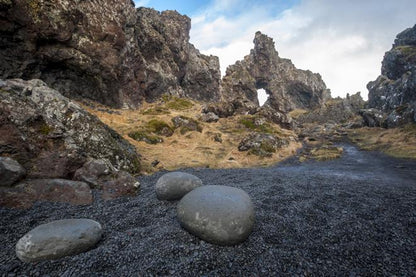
(352, 216)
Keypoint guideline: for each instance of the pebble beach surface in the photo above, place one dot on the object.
(352, 216)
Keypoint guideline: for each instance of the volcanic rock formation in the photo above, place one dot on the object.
(104, 50)
(288, 88)
(394, 92)
(51, 136)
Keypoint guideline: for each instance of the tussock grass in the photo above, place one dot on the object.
(398, 142)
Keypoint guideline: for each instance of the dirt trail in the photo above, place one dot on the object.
(352, 216)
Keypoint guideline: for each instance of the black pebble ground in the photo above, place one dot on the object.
(355, 216)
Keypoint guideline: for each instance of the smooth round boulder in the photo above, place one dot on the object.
(58, 239)
(174, 185)
(217, 214)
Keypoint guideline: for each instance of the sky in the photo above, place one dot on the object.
(343, 40)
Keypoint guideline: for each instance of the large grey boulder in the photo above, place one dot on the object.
(174, 185)
(53, 136)
(217, 214)
(10, 171)
(58, 239)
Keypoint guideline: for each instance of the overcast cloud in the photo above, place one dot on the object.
(343, 40)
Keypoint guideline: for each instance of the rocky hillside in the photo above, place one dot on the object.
(104, 50)
(288, 88)
(394, 92)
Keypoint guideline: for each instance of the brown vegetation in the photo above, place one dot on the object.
(398, 142)
(213, 145)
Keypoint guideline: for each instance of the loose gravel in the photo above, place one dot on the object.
(352, 216)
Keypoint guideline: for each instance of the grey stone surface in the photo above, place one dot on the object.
(10, 171)
(58, 239)
(174, 185)
(218, 214)
(393, 92)
(53, 136)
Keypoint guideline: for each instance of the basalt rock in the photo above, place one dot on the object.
(337, 110)
(27, 192)
(394, 92)
(104, 50)
(288, 88)
(170, 64)
(51, 136)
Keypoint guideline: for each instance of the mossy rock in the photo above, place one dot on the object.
(186, 124)
(159, 127)
(257, 124)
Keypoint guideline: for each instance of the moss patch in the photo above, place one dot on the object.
(408, 51)
(179, 104)
(143, 136)
(159, 127)
(159, 110)
(45, 129)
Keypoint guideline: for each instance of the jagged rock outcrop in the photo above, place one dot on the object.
(169, 63)
(51, 136)
(288, 88)
(394, 92)
(336, 110)
(104, 50)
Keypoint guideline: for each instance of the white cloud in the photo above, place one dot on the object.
(343, 40)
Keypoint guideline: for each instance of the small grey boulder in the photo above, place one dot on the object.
(58, 239)
(217, 214)
(174, 185)
(10, 171)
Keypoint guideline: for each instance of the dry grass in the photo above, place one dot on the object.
(193, 149)
(397, 142)
(296, 113)
(326, 153)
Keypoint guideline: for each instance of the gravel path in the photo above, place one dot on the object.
(352, 216)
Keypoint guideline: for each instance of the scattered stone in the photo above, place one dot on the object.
(119, 184)
(26, 193)
(174, 185)
(58, 239)
(92, 171)
(209, 117)
(10, 172)
(100, 174)
(261, 144)
(218, 138)
(155, 163)
(217, 214)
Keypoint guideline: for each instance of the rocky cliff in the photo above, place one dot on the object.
(288, 88)
(394, 92)
(104, 50)
(169, 63)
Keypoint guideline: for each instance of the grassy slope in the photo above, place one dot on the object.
(397, 142)
(192, 149)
